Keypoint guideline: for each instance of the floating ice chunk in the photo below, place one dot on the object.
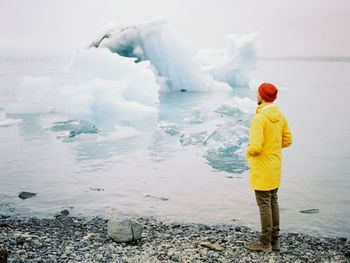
(34, 97)
(169, 128)
(120, 133)
(74, 128)
(228, 134)
(101, 101)
(9, 122)
(246, 105)
(112, 88)
(197, 116)
(226, 159)
(229, 110)
(241, 108)
(6, 122)
(140, 82)
(225, 148)
(71, 125)
(234, 63)
(193, 138)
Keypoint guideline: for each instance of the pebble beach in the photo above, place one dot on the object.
(77, 239)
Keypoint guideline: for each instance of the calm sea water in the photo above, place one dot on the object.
(112, 177)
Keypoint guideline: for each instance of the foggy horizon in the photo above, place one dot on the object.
(284, 29)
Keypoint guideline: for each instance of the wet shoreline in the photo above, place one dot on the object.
(79, 239)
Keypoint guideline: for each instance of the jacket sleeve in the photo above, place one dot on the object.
(256, 136)
(286, 135)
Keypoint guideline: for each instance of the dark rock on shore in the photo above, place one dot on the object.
(63, 213)
(72, 239)
(124, 230)
(310, 211)
(26, 195)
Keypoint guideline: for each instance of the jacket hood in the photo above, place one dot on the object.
(270, 110)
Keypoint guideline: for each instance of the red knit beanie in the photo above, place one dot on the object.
(268, 92)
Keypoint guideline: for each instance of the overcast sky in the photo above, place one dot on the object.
(285, 27)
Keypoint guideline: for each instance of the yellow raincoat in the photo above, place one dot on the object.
(269, 133)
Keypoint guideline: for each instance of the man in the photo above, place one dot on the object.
(269, 133)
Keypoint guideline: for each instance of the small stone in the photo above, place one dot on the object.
(89, 236)
(212, 246)
(177, 243)
(37, 243)
(176, 257)
(25, 195)
(167, 236)
(175, 225)
(343, 239)
(64, 212)
(26, 236)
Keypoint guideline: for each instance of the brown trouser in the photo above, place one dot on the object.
(269, 214)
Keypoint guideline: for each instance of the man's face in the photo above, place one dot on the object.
(258, 98)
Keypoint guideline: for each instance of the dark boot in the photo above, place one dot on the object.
(258, 246)
(276, 244)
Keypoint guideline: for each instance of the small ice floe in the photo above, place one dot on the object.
(193, 138)
(229, 110)
(310, 211)
(241, 108)
(156, 197)
(196, 116)
(34, 96)
(225, 148)
(6, 122)
(73, 128)
(119, 133)
(169, 128)
(9, 122)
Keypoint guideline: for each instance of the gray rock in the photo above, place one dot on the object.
(310, 211)
(64, 212)
(176, 257)
(26, 195)
(124, 230)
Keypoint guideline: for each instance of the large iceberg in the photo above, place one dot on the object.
(176, 67)
(234, 63)
(118, 78)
